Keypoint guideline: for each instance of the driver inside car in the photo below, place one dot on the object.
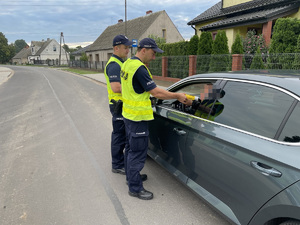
(207, 105)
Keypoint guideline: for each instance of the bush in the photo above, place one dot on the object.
(296, 64)
(251, 43)
(204, 51)
(205, 44)
(171, 49)
(237, 46)
(257, 62)
(220, 53)
(193, 45)
(284, 40)
(84, 57)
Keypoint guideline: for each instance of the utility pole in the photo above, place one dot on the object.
(62, 38)
(61, 34)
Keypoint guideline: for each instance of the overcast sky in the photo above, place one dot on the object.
(82, 21)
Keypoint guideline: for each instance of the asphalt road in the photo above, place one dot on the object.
(55, 163)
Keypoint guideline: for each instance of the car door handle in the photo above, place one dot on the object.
(179, 131)
(265, 169)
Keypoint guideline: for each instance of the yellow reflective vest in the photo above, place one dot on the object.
(136, 107)
(111, 94)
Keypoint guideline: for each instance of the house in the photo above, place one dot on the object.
(158, 24)
(235, 16)
(43, 52)
(77, 54)
(22, 56)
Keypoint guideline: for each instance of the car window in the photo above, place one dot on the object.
(291, 132)
(254, 108)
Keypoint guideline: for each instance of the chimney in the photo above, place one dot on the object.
(120, 21)
(48, 39)
(148, 12)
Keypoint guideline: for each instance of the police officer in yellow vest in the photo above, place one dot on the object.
(112, 70)
(137, 85)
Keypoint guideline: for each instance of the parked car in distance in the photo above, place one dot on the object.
(243, 158)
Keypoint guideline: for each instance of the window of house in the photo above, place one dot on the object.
(54, 48)
(164, 33)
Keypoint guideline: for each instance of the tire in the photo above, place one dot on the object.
(291, 222)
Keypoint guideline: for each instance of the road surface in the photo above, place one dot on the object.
(55, 165)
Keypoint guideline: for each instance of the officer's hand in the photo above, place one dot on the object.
(182, 98)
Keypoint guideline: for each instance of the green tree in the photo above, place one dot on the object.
(157, 39)
(19, 45)
(296, 64)
(205, 43)
(5, 51)
(257, 62)
(284, 40)
(66, 47)
(204, 51)
(285, 34)
(193, 45)
(237, 46)
(220, 53)
(84, 57)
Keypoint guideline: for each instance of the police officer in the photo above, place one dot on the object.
(112, 69)
(137, 85)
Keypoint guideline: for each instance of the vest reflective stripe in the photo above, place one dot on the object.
(136, 107)
(111, 94)
(204, 115)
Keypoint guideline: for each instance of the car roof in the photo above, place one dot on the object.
(288, 81)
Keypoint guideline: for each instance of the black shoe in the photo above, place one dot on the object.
(121, 171)
(144, 177)
(144, 194)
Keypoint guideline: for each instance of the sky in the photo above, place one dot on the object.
(83, 21)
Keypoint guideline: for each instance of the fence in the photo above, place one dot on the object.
(50, 62)
(177, 67)
(88, 65)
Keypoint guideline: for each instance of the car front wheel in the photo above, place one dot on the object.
(291, 222)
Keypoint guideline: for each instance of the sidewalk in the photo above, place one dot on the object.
(5, 73)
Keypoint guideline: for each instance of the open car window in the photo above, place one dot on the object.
(195, 89)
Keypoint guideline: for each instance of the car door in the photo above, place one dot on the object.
(169, 131)
(167, 138)
(238, 164)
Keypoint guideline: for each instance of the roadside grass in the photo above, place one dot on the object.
(79, 71)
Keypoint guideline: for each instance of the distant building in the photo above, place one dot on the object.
(235, 16)
(22, 56)
(158, 24)
(77, 54)
(47, 51)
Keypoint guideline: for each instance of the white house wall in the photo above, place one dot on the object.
(52, 52)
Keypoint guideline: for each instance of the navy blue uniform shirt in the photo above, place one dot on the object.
(113, 70)
(141, 80)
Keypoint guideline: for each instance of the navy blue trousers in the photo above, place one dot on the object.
(135, 156)
(118, 139)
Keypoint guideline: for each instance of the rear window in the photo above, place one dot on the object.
(254, 108)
